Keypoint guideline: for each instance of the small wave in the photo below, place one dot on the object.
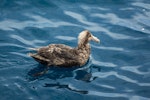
(112, 73)
(108, 95)
(140, 4)
(19, 54)
(134, 69)
(117, 95)
(68, 38)
(107, 86)
(79, 18)
(109, 48)
(11, 45)
(38, 21)
(115, 20)
(106, 64)
(24, 41)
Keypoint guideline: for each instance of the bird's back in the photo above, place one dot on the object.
(57, 55)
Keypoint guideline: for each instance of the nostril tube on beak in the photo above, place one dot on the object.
(95, 39)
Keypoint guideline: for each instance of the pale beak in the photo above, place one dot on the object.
(95, 39)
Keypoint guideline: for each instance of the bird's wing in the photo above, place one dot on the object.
(39, 58)
(57, 51)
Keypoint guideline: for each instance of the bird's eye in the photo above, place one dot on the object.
(90, 35)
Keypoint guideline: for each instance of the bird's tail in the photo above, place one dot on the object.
(38, 58)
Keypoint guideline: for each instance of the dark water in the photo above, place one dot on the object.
(118, 69)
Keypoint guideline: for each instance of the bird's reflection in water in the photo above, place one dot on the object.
(55, 73)
(85, 74)
(79, 73)
(59, 86)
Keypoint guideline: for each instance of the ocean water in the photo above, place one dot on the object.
(118, 68)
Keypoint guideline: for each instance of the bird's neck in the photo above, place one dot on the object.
(84, 47)
(83, 43)
(80, 46)
(83, 52)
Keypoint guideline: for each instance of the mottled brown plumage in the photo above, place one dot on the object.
(63, 55)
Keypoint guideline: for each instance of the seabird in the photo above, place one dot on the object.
(65, 56)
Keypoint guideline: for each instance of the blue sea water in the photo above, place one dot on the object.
(118, 68)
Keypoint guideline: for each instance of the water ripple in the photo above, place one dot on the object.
(118, 68)
(140, 4)
(112, 73)
(134, 69)
(38, 21)
(106, 64)
(68, 38)
(109, 48)
(129, 23)
(103, 94)
(79, 18)
(27, 42)
(11, 44)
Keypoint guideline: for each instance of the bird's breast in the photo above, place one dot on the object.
(83, 55)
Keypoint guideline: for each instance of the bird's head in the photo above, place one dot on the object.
(85, 37)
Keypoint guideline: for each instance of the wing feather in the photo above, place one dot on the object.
(57, 51)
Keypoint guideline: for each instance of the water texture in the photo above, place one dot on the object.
(118, 68)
